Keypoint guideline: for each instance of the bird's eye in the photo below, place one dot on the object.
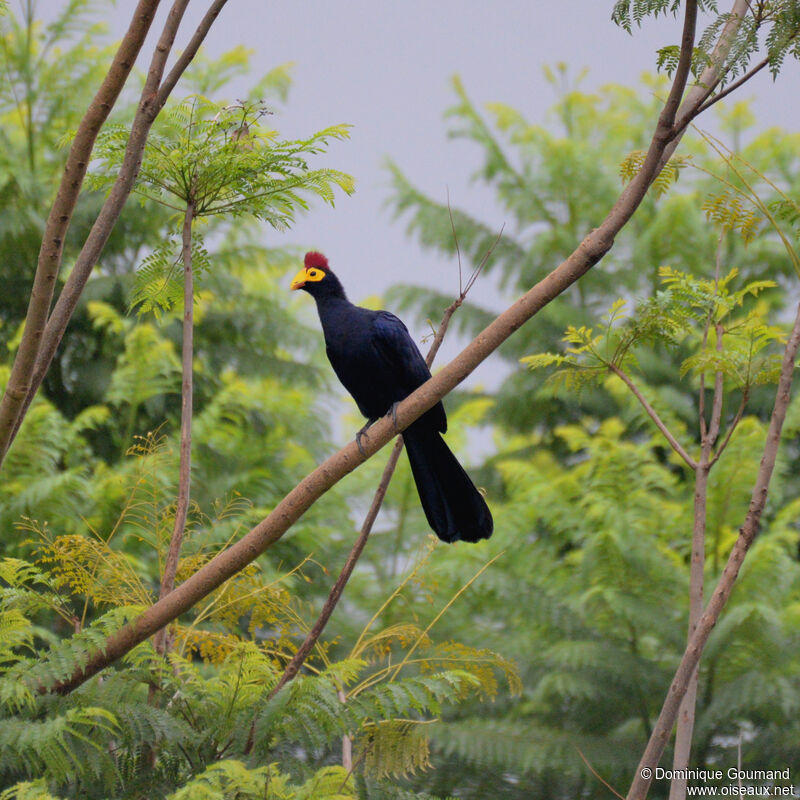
(312, 274)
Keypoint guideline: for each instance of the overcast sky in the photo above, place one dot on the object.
(385, 68)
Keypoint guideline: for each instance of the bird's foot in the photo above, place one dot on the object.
(362, 432)
(393, 412)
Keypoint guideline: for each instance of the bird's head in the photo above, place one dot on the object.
(316, 277)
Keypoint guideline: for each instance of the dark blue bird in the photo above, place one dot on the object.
(379, 363)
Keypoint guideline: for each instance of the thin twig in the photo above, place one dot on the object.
(598, 775)
(651, 412)
(293, 667)
(731, 428)
(455, 239)
(185, 471)
(731, 87)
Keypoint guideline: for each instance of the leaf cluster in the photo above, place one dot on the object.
(691, 311)
(169, 726)
(628, 13)
(771, 26)
(223, 726)
(668, 176)
(158, 282)
(221, 160)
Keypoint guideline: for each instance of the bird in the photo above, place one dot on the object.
(377, 361)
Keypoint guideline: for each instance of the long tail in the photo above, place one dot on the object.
(454, 507)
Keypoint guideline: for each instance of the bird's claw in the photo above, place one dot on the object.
(393, 412)
(361, 433)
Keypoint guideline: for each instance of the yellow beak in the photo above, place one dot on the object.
(299, 280)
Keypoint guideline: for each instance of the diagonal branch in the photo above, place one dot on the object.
(732, 87)
(51, 250)
(653, 414)
(186, 57)
(691, 657)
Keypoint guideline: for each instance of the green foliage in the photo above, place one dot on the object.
(727, 211)
(220, 159)
(205, 722)
(232, 779)
(216, 160)
(773, 26)
(668, 176)
(159, 282)
(28, 790)
(597, 607)
(628, 13)
(695, 315)
(203, 731)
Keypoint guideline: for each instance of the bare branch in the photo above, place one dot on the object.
(299, 658)
(651, 412)
(732, 87)
(731, 428)
(691, 657)
(51, 250)
(667, 119)
(186, 57)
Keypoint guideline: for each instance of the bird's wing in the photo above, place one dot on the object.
(402, 356)
(400, 352)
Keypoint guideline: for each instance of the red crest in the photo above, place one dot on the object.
(314, 259)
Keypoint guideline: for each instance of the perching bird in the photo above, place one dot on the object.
(378, 362)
